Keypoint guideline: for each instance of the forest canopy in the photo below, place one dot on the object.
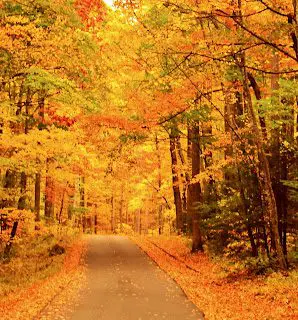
(153, 117)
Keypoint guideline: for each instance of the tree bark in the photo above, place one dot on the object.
(195, 191)
(95, 224)
(279, 166)
(258, 96)
(186, 182)
(112, 214)
(139, 222)
(37, 193)
(49, 198)
(61, 207)
(8, 246)
(82, 192)
(10, 182)
(265, 180)
(121, 208)
(23, 200)
(160, 207)
(176, 187)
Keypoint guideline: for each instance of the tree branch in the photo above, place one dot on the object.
(272, 9)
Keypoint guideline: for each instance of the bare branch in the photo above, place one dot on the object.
(272, 9)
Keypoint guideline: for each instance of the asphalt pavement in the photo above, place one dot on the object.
(123, 283)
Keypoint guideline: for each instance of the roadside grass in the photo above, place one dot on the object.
(221, 290)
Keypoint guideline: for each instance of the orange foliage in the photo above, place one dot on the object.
(91, 11)
(217, 295)
(34, 301)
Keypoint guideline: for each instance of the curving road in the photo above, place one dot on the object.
(124, 284)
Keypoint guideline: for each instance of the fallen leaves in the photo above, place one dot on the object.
(216, 295)
(37, 301)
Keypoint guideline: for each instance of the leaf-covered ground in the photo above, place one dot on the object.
(218, 295)
(39, 301)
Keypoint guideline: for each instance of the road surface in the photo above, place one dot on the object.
(123, 283)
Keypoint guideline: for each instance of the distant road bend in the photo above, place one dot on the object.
(124, 284)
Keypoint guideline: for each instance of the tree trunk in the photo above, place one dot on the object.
(61, 207)
(254, 249)
(84, 223)
(194, 190)
(10, 181)
(37, 192)
(279, 167)
(247, 214)
(95, 224)
(22, 203)
(37, 188)
(8, 246)
(49, 198)
(258, 96)
(121, 208)
(112, 214)
(49, 188)
(176, 187)
(160, 207)
(139, 227)
(185, 184)
(265, 181)
(126, 213)
(82, 192)
(284, 205)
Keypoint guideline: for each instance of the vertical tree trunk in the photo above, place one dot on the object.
(61, 207)
(20, 100)
(10, 182)
(126, 213)
(284, 205)
(95, 223)
(49, 198)
(121, 208)
(23, 200)
(146, 223)
(185, 184)
(82, 192)
(258, 96)
(194, 190)
(49, 187)
(82, 200)
(176, 187)
(160, 207)
(70, 202)
(37, 193)
(112, 214)
(266, 182)
(8, 246)
(37, 184)
(22, 203)
(28, 103)
(254, 248)
(293, 21)
(139, 222)
(189, 165)
(232, 111)
(84, 223)
(279, 167)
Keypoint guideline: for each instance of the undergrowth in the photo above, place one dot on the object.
(37, 252)
(226, 288)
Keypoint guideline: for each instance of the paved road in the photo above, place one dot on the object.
(124, 284)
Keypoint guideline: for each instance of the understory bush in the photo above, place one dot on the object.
(37, 251)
